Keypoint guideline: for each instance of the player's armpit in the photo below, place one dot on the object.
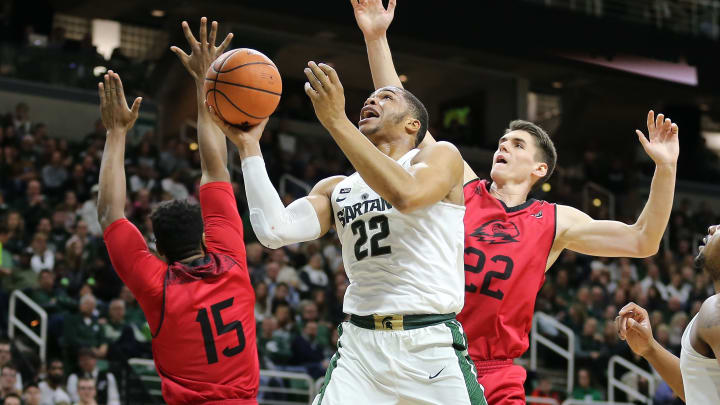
(578, 232)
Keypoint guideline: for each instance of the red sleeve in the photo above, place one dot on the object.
(223, 226)
(140, 270)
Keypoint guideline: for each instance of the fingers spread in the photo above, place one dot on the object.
(180, 53)
(391, 6)
(136, 106)
(225, 43)
(188, 35)
(101, 93)
(203, 32)
(119, 91)
(213, 33)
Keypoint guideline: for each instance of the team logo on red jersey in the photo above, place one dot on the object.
(496, 232)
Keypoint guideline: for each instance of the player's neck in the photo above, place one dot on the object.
(511, 194)
(394, 148)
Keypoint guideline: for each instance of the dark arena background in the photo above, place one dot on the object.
(587, 71)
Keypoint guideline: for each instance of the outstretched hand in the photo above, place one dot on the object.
(633, 326)
(326, 93)
(372, 17)
(240, 136)
(663, 146)
(203, 52)
(116, 116)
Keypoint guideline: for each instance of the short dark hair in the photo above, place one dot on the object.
(178, 228)
(546, 148)
(12, 395)
(417, 110)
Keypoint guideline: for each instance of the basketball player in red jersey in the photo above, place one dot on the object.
(510, 240)
(198, 298)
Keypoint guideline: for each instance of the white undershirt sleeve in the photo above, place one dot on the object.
(274, 224)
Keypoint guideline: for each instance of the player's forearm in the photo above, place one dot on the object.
(668, 366)
(381, 63)
(111, 196)
(384, 175)
(654, 218)
(212, 144)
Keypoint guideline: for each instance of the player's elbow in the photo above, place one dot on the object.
(646, 249)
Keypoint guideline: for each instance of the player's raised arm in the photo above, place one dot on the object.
(213, 149)
(374, 19)
(578, 232)
(436, 170)
(117, 119)
(276, 225)
(633, 326)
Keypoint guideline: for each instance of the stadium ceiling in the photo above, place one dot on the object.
(433, 43)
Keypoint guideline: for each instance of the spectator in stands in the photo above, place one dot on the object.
(12, 399)
(34, 207)
(53, 389)
(54, 301)
(308, 351)
(7, 360)
(653, 280)
(42, 257)
(104, 381)
(32, 394)
(8, 380)
(88, 213)
(584, 390)
(261, 301)
(21, 119)
(83, 329)
(313, 276)
(54, 175)
(287, 273)
(590, 346)
(59, 232)
(544, 390)
(87, 392)
(16, 228)
(133, 312)
(144, 179)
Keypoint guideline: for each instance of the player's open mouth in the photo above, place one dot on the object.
(368, 113)
(500, 159)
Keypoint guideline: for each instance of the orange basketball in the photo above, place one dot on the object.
(243, 86)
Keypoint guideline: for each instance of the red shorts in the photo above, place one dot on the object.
(503, 382)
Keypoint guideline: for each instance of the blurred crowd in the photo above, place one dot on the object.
(52, 250)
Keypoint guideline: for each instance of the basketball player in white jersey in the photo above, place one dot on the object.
(400, 221)
(695, 376)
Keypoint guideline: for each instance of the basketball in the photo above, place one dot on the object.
(243, 86)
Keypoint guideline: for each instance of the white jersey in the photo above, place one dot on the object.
(399, 263)
(701, 375)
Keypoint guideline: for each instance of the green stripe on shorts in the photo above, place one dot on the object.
(333, 364)
(476, 392)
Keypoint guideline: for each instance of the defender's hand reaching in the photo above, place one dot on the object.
(202, 52)
(663, 146)
(326, 93)
(116, 116)
(372, 18)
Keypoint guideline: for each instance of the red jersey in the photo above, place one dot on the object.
(201, 313)
(506, 252)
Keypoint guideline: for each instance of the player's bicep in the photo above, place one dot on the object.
(319, 197)
(221, 219)
(436, 170)
(581, 233)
